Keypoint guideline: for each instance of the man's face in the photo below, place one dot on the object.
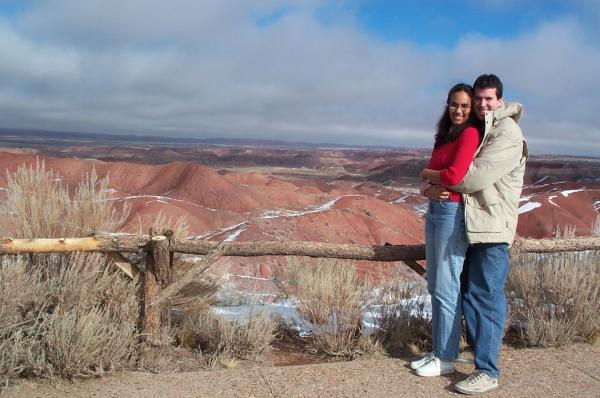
(486, 99)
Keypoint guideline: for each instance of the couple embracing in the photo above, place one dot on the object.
(473, 182)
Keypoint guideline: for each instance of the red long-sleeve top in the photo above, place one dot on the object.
(454, 158)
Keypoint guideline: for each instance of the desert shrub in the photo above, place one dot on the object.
(62, 314)
(38, 205)
(196, 297)
(220, 340)
(567, 232)
(555, 298)
(404, 324)
(332, 299)
(79, 321)
(596, 226)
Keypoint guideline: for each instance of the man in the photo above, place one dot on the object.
(491, 191)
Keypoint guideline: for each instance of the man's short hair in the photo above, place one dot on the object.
(489, 81)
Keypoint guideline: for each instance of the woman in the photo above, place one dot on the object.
(456, 141)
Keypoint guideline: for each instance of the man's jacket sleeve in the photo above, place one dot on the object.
(497, 157)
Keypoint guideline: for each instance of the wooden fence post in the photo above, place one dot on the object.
(158, 276)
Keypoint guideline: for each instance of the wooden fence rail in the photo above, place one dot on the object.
(157, 285)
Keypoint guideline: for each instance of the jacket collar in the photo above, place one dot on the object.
(513, 110)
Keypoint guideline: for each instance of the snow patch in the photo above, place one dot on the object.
(296, 213)
(235, 235)
(401, 199)
(528, 207)
(570, 191)
(257, 278)
(550, 200)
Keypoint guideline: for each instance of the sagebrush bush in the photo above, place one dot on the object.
(404, 324)
(62, 314)
(79, 321)
(39, 205)
(555, 298)
(596, 226)
(332, 299)
(219, 340)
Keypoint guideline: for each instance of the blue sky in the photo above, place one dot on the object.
(354, 71)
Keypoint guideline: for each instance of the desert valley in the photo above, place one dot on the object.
(264, 190)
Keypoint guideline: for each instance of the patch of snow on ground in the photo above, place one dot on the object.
(528, 207)
(234, 235)
(401, 199)
(550, 200)
(160, 197)
(228, 275)
(209, 235)
(526, 198)
(421, 209)
(540, 180)
(570, 191)
(296, 213)
(287, 309)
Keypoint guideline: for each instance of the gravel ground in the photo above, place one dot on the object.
(572, 371)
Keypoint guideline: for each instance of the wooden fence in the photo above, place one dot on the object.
(158, 286)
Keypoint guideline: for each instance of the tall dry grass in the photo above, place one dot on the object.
(332, 299)
(62, 315)
(221, 341)
(596, 226)
(78, 321)
(404, 324)
(555, 298)
(39, 205)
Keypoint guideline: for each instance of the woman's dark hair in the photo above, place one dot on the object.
(444, 132)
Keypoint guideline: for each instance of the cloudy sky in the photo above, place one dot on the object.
(356, 72)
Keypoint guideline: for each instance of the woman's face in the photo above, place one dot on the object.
(459, 108)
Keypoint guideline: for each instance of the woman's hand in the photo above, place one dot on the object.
(431, 175)
(432, 191)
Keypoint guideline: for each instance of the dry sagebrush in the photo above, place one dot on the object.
(62, 315)
(555, 298)
(79, 321)
(219, 340)
(38, 205)
(332, 299)
(404, 326)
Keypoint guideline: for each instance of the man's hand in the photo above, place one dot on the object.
(437, 192)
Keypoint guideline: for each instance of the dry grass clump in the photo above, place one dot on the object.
(62, 315)
(404, 326)
(198, 295)
(568, 232)
(596, 226)
(80, 321)
(555, 298)
(332, 300)
(38, 205)
(220, 340)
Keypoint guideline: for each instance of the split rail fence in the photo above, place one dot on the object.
(158, 284)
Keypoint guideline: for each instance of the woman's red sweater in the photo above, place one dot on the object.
(454, 158)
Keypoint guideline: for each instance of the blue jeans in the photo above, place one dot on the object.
(445, 249)
(484, 303)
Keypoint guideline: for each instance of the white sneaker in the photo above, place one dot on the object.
(417, 363)
(435, 367)
(477, 383)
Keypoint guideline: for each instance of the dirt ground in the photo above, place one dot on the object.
(572, 371)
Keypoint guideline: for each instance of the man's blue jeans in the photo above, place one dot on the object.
(484, 302)
(445, 249)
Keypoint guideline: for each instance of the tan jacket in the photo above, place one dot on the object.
(492, 187)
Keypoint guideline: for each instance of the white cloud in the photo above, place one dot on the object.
(206, 69)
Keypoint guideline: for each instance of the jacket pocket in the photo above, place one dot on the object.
(485, 198)
(483, 212)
